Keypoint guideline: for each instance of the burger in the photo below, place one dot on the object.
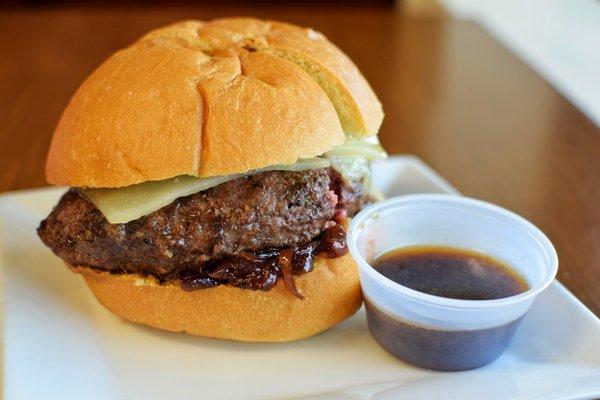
(212, 169)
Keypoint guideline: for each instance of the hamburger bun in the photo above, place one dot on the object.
(331, 294)
(210, 98)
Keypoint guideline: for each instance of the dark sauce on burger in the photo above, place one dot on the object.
(260, 270)
(451, 273)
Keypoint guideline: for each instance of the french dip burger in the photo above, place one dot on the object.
(213, 167)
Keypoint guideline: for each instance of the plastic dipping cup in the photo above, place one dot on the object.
(437, 332)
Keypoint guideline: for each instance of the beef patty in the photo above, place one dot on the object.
(270, 210)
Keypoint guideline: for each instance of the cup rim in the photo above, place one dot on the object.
(539, 237)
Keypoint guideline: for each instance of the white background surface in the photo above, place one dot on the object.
(60, 344)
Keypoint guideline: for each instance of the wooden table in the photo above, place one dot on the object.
(452, 95)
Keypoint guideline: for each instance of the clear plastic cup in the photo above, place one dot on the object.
(436, 332)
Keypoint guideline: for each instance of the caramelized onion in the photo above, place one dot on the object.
(248, 256)
(260, 270)
(285, 265)
(333, 242)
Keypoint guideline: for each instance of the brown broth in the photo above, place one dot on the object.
(444, 350)
(450, 272)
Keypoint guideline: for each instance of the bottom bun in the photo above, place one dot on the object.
(331, 294)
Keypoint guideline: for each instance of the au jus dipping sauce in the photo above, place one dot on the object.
(451, 273)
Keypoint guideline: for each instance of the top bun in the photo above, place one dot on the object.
(210, 98)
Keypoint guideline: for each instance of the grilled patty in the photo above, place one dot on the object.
(271, 210)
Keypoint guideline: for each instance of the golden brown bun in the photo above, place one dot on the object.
(210, 98)
(331, 294)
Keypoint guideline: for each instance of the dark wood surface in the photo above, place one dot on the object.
(452, 95)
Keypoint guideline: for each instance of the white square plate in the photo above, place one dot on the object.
(60, 344)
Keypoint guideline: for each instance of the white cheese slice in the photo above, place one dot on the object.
(121, 205)
(370, 150)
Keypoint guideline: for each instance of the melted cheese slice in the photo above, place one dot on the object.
(370, 150)
(121, 205)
